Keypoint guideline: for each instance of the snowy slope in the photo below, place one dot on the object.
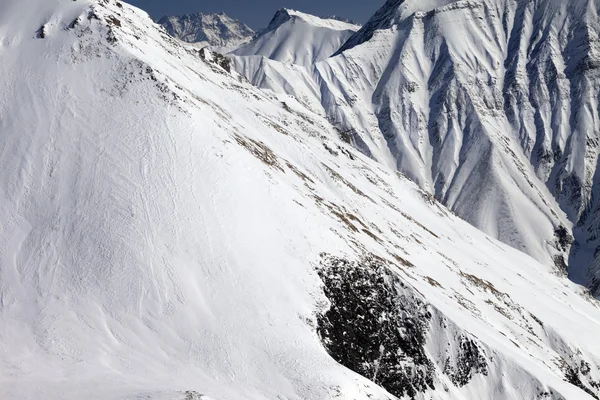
(298, 38)
(217, 30)
(490, 105)
(171, 232)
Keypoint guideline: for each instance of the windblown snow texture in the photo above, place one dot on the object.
(217, 30)
(169, 231)
(489, 105)
(298, 38)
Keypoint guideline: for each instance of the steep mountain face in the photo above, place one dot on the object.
(171, 232)
(217, 30)
(490, 105)
(297, 38)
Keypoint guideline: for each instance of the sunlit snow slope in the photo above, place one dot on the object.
(490, 105)
(171, 232)
(297, 38)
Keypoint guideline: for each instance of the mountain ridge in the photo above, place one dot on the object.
(393, 84)
(171, 232)
(297, 38)
(217, 30)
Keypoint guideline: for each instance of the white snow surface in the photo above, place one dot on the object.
(162, 220)
(489, 105)
(297, 38)
(329, 23)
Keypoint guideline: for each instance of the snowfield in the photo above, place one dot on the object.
(489, 105)
(169, 231)
(216, 30)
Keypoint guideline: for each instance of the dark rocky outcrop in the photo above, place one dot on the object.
(378, 326)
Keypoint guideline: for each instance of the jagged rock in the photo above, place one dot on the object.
(217, 30)
(378, 326)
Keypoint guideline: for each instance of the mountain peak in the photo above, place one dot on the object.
(281, 17)
(391, 13)
(217, 30)
(298, 38)
(284, 15)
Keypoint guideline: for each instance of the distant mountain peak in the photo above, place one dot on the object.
(172, 232)
(281, 16)
(295, 37)
(284, 15)
(342, 19)
(218, 30)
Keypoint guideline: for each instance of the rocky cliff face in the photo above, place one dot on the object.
(218, 30)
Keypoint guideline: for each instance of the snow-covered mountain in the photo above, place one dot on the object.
(490, 105)
(298, 38)
(170, 231)
(217, 30)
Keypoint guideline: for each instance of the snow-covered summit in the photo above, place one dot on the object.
(298, 38)
(334, 23)
(393, 12)
(217, 30)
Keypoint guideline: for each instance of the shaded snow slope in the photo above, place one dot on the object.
(171, 232)
(217, 30)
(490, 105)
(299, 38)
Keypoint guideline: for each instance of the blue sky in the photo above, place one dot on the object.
(257, 14)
